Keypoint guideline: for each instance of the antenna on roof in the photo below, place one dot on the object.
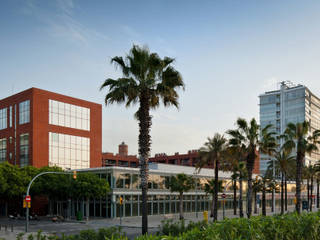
(286, 84)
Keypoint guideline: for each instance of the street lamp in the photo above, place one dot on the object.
(28, 191)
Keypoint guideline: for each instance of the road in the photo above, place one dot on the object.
(131, 225)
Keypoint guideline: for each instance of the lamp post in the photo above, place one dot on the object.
(28, 191)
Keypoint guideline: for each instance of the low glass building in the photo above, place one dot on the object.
(125, 183)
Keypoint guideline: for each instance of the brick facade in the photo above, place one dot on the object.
(38, 127)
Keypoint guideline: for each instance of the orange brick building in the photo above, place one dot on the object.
(121, 158)
(190, 159)
(42, 128)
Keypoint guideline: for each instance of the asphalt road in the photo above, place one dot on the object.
(130, 225)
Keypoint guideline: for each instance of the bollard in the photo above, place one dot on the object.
(5, 227)
(11, 227)
(205, 216)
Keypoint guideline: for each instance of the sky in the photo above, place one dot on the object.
(228, 52)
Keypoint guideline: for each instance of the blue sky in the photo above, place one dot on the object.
(228, 53)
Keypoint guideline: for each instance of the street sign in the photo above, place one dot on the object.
(223, 195)
(28, 198)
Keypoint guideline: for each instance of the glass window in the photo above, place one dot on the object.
(68, 151)
(10, 114)
(24, 150)
(3, 118)
(69, 115)
(3, 150)
(24, 112)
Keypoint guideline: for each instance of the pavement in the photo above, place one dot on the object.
(130, 225)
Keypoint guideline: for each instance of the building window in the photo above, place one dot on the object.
(3, 118)
(68, 115)
(3, 150)
(24, 112)
(24, 149)
(68, 151)
(10, 115)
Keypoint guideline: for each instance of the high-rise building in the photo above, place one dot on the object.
(42, 128)
(290, 103)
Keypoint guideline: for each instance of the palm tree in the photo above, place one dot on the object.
(147, 79)
(283, 161)
(248, 134)
(235, 162)
(242, 175)
(311, 171)
(181, 183)
(212, 154)
(256, 187)
(209, 188)
(296, 138)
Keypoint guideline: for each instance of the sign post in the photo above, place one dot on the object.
(121, 212)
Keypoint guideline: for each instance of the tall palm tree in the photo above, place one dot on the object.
(147, 79)
(212, 154)
(235, 162)
(296, 138)
(311, 172)
(248, 133)
(283, 161)
(210, 188)
(181, 183)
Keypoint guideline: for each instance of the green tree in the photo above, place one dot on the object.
(248, 135)
(283, 160)
(181, 183)
(296, 138)
(212, 154)
(210, 188)
(89, 185)
(147, 79)
(236, 162)
(12, 183)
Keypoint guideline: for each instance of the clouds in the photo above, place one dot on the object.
(58, 21)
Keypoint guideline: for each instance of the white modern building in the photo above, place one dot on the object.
(290, 103)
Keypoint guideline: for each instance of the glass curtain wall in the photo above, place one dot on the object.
(69, 115)
(68, 151)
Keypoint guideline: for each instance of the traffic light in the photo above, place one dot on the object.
(121, 200)
(29, 204)
(75, 175)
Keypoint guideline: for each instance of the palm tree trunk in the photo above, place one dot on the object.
(272, 199)
(318, 193)
(300, 158)
(144, 150)
(240, 197)
(264, 213)
(286, 193)
(282, 192)
(308, 193)
(216, 188)
(255, 202)
(212, 206)
(250, 164)
(311, 192)
(235, 197)
(181, 205)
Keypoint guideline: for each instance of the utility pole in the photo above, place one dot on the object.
(28, 191)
